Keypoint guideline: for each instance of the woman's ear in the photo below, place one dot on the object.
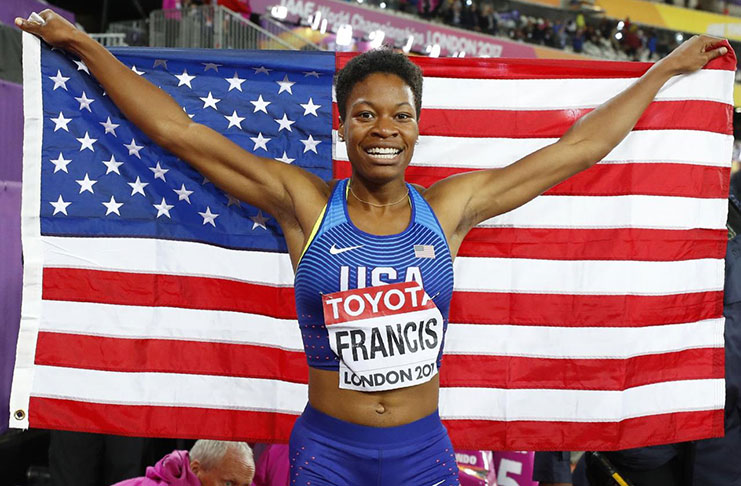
(341, 131)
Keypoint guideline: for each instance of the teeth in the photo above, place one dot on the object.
(383, 152)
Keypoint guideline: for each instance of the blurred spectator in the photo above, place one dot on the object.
(239, 6)
(272, 467)
(210, 463)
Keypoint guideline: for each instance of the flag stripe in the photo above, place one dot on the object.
(707, 116)
(469, 307)
(656, 146)
(594, 244)
(190, 422)
(650, 430)
(584, 310)
(160, 389)
(169, 356)
(603, 374)
(668, 179)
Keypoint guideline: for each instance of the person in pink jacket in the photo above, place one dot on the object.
(209, 463)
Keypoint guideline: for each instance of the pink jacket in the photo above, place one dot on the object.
(171, 470)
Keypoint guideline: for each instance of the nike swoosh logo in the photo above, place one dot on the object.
(439, 482)
(336, 251)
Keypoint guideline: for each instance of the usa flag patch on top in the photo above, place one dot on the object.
(424, 251)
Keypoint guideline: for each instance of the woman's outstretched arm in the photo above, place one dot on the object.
(262, 182)
(468, 199)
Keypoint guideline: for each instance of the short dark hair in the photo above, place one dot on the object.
(383, 60)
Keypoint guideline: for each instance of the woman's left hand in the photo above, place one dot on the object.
(693, 54)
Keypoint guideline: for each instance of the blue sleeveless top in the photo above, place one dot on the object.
(340, 256)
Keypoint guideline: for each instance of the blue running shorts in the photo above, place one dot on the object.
(327, 451)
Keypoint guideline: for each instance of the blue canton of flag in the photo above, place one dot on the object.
(102, 176)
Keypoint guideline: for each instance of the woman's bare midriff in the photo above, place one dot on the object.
(375, 409)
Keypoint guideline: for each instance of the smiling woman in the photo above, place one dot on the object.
(373, 368)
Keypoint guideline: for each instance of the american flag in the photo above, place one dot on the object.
(156, 305)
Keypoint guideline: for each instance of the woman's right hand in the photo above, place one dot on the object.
(55, 31)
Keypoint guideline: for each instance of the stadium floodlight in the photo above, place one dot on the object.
(383, 5)
(344, 35)
(376, 37)
(279, 12)
(679, 37)
(620, 25)
(408, 46)
(619, 35)
(315, 19)
(435, 51)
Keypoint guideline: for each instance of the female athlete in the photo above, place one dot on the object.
(371, 419)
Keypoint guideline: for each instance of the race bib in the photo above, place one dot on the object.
(386, 337)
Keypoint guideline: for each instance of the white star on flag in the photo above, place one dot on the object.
(133, 68)
(85, 102)
(112, 206)
(285, 85)
(210, 65)
(310, 144)
(163, 208)
(285, 159)
(87, 143)
(310, 108)
(209, 217)
(137, 187)
(260, 105)
(61, 122)
(112, 165)
(59, 82)
(284, 123)
(262, 69)
(210, 101)
(134, 148)
(234, 120)
(81, 66)
(60, 163)
(185, 79)
(86, 184)
(260, 142)
(259, 220)
(159, 172)
(109, 126)
(235, 82)
(183, 193)
(311, 73)
(60, 206)
(160, 62)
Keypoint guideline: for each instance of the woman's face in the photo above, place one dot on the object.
(380, 127)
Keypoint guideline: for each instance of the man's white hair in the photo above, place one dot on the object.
(210, 452)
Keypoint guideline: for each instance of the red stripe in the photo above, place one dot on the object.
(155, 290)
(648, 179)
(151, 421)
(170, 356)
(498, 68)
(468, 307)
(589, 436)
(595, 244)
(220, 359)
(584, 310)
(709, 116)
(580, 374)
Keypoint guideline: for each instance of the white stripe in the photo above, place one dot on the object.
(169, 389)
(588, 277)
(581, 405)
(475, 274)
(581, 342)
(132, 322)
(662, 146)
(168, 257)
(23, 373)
(585, 212)
(548, 94)
(219, 392)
